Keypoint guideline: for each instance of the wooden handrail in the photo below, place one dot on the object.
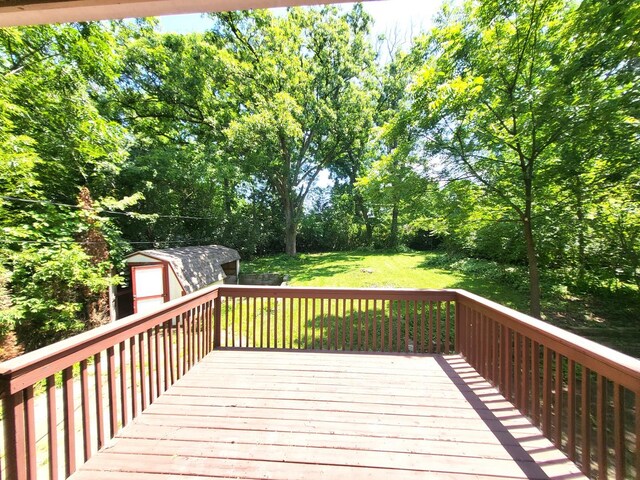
(347, 319)
(341, 293)
(17, 373)
(142, 355)
(611, 363)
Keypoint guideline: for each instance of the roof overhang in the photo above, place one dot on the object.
(30, 12)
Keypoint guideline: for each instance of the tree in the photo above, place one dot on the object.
(395, 185)
(177, 99)
(55, 141)
(299, 81)
(487, 103)
(172, 98)
(598, 170)
(395, 181)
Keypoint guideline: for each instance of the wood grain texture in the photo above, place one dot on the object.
(28, 12)
(306, 415)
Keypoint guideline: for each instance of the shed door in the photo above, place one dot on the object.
(148, 287)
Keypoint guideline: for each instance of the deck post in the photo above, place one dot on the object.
(216, 321)
(14, 433)
(456, 328)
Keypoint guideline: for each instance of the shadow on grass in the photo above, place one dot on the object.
(484, 286)
(305, 267)
(400, 327)
(608, 317)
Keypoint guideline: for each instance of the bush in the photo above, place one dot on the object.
(9, 346)
(53, 289)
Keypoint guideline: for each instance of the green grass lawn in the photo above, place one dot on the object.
(379, 270)
(612, 319)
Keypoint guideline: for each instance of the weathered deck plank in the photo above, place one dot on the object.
(290, 415)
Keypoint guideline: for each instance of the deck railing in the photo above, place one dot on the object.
(106, 377)
(373, 320)
(585, 397)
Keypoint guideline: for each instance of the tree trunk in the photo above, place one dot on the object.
(290, 239)
(532, 253)
(290, 227)
(362, 209)
(534, 275)
(580, 229)
(393, 237)
(369, 232)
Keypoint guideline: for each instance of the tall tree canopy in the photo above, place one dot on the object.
(57, 151)
(302, 83)
(495, 102)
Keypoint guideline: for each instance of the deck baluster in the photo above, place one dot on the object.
(111, 378)
(133, 375)
(30, 432)
(52, 428)
(586, 421)
(558, 401)
(69, 421)
(86, 415)
(601, 427)
(637, 433)
(571, 410)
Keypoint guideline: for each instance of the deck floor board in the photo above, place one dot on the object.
(311, 415)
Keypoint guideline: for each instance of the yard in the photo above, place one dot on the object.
(607, 319)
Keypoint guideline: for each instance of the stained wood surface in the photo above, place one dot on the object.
(305, 415)
(29, 12)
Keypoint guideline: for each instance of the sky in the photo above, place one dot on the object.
(403, 16)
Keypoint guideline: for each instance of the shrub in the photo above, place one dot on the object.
(53, 289)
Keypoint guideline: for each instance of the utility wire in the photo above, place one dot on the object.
(126, 214)
(67, 242)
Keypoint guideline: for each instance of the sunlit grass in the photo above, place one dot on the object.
(353, 269)
(364, 324)
(604, 317)
(380, 270)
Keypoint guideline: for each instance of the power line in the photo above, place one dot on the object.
(126, 214)
(68, 242)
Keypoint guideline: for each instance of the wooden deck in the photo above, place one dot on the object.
(306, 415)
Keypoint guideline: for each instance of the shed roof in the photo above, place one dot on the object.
(195, 267)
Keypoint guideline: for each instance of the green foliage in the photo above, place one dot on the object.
(54, 277)
(8, 313)
(302, 87)
(330, 224)
(535, 119)
(51, 288)
(514, 277)
(54, 141)
(508, 132)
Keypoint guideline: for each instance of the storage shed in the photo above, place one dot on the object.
(157, 276)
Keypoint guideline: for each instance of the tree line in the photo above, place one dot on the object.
(509, 131)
